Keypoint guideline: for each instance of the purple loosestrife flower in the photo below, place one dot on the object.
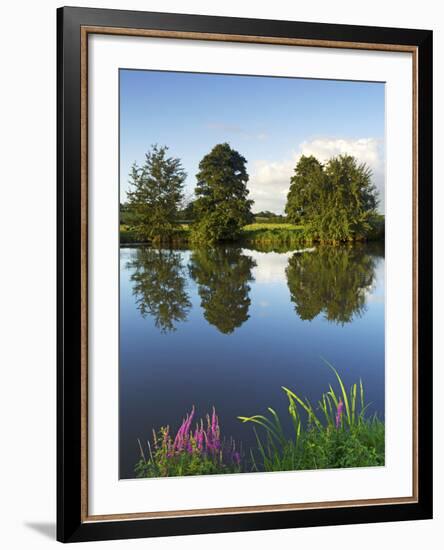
(188, 421)
(213, 421)
(199, 437)
(178, 441)
(215, 431)
(339, 412)
(182, 439)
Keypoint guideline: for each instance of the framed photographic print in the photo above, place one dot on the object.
(245, 274)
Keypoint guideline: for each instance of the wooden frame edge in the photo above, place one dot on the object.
(84, 271)
(226, 511)
(252, 39)
(85, 31)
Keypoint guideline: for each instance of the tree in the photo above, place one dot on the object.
(336, 202)
(222, 207)
(222, 275)
(159, 286)
(331, 280)
(157, 192)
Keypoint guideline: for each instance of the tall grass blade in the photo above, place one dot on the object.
(361, 388)
(343, 390)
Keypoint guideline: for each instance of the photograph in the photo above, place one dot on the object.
(252, 274)
(221, 275)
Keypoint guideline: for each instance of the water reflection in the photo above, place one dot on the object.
(159, 286)
(334, 281)
(222, 275)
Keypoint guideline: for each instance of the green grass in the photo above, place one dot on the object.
(272, 226)
(255, 233)
(265, 235)
(127, 236)
(336, 433)
(274, 234)
(322, 438)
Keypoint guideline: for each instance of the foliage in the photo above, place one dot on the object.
(305, 189)
(221, 206)
(155, 195)
(340, 436)
(159, 286)
(223, 275)
(127, 215)
(190, 452)
(127, 236)
(283, 234)
(336, 202)
(330, 280)
(187, 212)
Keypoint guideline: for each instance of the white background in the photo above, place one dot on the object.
(27, 122)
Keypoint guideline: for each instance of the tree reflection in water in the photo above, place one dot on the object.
(159, 286)
(331, 280)
(222, 275)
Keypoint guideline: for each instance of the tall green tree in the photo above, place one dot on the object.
(155, 195)
(336, 202)
(305, 189)
(222, 206)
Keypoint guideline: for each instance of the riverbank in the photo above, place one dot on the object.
(337, 433)
(274, 234)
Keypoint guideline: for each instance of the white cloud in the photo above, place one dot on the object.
(269, 181)
(270, 266)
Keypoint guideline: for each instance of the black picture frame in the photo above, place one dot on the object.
(71, 525)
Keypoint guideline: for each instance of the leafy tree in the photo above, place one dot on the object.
(223, 275)
(306, 187)
(127, 215)
(336, 202)
(159, 286)
(222, 207)
(157, 191)
(332, 281)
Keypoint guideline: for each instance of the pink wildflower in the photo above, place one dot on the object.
(339, 412)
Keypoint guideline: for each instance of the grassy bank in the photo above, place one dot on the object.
(336, 434)
(273, 234)
(257, 234)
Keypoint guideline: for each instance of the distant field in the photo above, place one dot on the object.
(286, 234)
(263, 232)
(263, 226)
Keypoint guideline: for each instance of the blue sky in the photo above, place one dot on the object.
(269, 120)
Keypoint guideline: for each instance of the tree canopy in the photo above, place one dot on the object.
(156, 194)
(221, 206)
(336, 201)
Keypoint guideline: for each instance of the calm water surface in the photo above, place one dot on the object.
(229, 326)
